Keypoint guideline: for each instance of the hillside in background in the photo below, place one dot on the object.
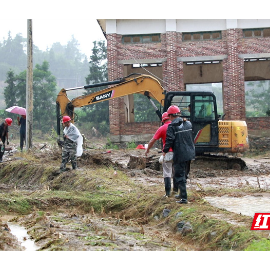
(66, 63)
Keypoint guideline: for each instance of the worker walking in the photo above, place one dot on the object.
(179, 138)
(22, 123)
(167, 166)
(4, 136)
(72, 144)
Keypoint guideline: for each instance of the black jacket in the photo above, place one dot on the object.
(3, 132)
(179, 137)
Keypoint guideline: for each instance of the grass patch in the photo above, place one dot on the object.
(98, 190)
(259, 245)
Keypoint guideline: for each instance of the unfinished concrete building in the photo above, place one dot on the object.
(181, 52)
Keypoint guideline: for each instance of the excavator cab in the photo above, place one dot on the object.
(201, 110)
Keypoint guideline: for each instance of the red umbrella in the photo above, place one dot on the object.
(17, 110)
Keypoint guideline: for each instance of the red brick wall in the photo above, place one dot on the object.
(171, 47)
(233, 78)
(258, 123)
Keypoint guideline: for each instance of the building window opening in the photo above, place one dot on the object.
(147, 65)
(257, 95)
(201, 36)
(153, 38)
(144, 111)
(256, 33)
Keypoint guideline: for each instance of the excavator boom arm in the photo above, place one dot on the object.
(138, 84)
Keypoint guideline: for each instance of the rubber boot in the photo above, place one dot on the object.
(167, 182)
(183, 193)
(74, 165)
(175, 187)
(1, 152)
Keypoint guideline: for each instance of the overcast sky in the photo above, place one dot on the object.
(48, 31)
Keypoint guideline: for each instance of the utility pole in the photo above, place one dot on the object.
(29, 86)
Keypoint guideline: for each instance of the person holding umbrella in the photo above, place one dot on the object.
(4, 136)
(22, 123)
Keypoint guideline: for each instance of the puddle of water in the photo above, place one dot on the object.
(22, 236)
(247, 205)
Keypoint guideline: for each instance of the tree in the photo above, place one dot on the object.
(10, 90)
(98, 64)
(12, 54)
(144, 111)
(44, 88)
(258, 98)
(98, 113)
(44, 91)
(21, 89)
(67, 63)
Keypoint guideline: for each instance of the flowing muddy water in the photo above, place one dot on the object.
(21, 234)
(247, 205)
(257, 176)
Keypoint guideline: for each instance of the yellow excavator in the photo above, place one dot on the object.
(211, 134)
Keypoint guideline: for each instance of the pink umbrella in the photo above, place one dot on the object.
(17, 110)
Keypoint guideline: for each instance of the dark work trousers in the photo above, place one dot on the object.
(22, 140)
(2, 151)
(180, 172)
(180, 178)
(187, 168)
(175, 186)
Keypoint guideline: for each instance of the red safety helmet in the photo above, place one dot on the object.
(66, 119)
(173, 110)
(8, 121)
(165, 117)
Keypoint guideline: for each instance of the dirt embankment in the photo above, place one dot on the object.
(114, 201)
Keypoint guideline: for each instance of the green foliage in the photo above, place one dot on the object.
(99, 112)
(12, 55)
(44, 94)
(143, 109)
(261, 245)
(70, 68)
(67, 63)
(110, 145)
(10, 91)
(131, 145)
(257, 98)
(98, 64)
(2, 114)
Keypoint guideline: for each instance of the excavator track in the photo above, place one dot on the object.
(222, 162)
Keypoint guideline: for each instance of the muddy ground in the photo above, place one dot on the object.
(129, 212)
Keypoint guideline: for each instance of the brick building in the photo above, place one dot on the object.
(181, 52)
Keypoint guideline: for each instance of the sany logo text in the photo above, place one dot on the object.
(261, 221)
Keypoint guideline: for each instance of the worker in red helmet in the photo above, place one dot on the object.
(166, 166)
(72, 144)
(179, 138)
(4, 136)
